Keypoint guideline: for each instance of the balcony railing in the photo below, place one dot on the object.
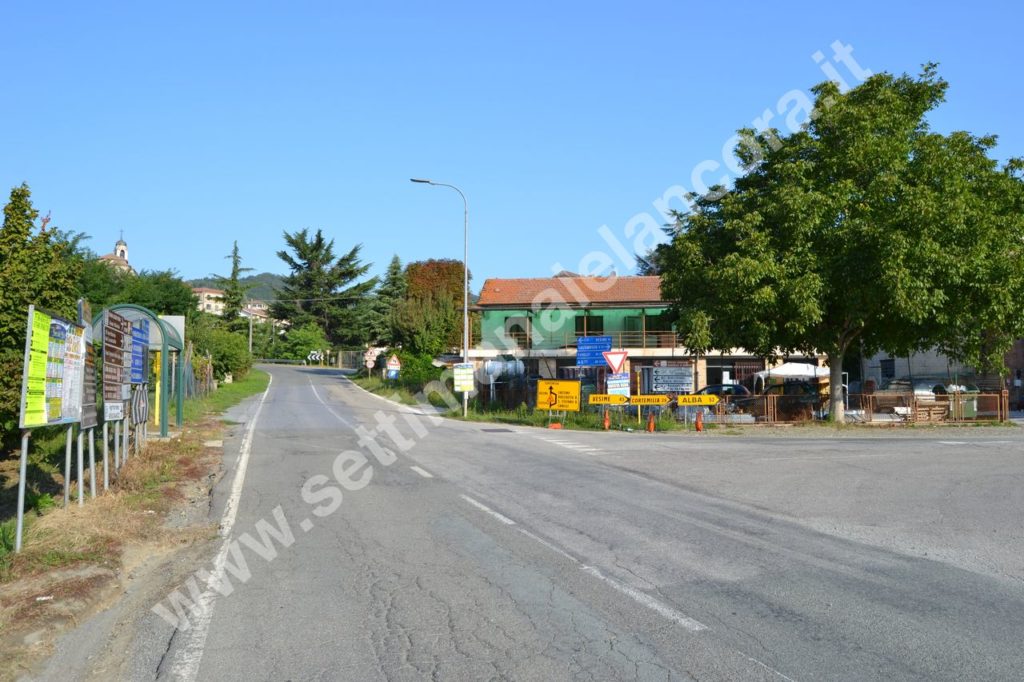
(567, 340)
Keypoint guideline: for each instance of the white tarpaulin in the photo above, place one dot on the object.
(794, 370)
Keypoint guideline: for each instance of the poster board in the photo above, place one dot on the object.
(116, 344)
(53, 371)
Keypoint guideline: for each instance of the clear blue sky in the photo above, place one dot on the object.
(190, 125)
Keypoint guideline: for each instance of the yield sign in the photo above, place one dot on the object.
(615, 359)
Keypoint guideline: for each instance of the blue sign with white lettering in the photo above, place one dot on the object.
(140, 351)
(590, 350)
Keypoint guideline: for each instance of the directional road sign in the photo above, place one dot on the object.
(558, 395)
(649, 400)
(707, 400)
(607, 399)
(590, 350)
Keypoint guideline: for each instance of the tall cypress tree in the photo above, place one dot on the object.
(234, 290)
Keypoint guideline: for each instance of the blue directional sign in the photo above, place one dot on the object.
(140, 351)
(590, 350)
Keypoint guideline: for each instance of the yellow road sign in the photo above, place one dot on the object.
(607, 399)
(648, 400)
(707, 400)
(558, 395)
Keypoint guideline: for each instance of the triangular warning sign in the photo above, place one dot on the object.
(615, 359)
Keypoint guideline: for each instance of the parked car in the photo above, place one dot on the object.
(729, 395)
(898, 393)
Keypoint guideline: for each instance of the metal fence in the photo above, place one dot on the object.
(864, 408)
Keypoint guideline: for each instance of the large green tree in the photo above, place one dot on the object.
(322, 288)
(429, 319)
(162, 291)
(864, 228)
(234, 289)
(36, 267)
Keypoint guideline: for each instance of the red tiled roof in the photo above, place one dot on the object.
(572, 291)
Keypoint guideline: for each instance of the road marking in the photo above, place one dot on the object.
(482, 507)
(553, 548)
(190, 653)
(642, 598)
(952, 442)
(647, 600)
(329, 408)
(422, 472)
(306, 525)
(769, 669)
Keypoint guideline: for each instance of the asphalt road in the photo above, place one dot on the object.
(461, 551)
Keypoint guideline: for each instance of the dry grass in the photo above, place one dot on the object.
(132, 511)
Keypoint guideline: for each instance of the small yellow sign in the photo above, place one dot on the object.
(607, 399)
(558, 395)
(648, 400)
(707, 400)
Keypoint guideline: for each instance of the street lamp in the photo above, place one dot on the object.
(465, 279)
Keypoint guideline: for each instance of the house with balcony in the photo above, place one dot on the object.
(538, 321)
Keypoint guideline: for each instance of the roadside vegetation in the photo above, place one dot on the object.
(134, 506)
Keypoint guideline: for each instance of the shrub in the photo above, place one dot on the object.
(230, 353)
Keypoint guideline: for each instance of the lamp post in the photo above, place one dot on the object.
(465, 278)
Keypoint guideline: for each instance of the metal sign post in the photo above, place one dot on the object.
(67, 470)
(106, 461)
(81, 470)
(21, 491)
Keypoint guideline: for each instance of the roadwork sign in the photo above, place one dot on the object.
(558, 395)
(649, 400)
(707, 400)
(607, 399)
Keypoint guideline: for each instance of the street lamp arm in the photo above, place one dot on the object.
(465, 275)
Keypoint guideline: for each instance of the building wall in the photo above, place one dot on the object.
(555, 328)
(928, 363)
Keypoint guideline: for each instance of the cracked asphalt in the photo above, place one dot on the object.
(594, 556)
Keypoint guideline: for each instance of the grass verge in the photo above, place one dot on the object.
(139, 497)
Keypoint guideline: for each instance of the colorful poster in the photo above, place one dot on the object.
(74, 374)
(33, 407)
(52, 375)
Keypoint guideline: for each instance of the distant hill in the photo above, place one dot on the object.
(264, 285)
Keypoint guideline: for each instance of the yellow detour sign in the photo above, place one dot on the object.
(707, 400)
(648, 400)
(607, 399)
(558, 395)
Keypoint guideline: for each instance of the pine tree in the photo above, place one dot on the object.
(234, 290)
(380, 318)
(320, 287)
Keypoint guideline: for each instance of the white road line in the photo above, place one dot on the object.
(770, 669)
(484, 508)
(190, 652)
(647, 600)
(553, 548)
(422, 472)
(329, 408)
(642, 598)
(952, 442)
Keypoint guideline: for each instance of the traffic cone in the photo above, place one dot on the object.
(698, 423)
(650, 422)
(607, 421)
